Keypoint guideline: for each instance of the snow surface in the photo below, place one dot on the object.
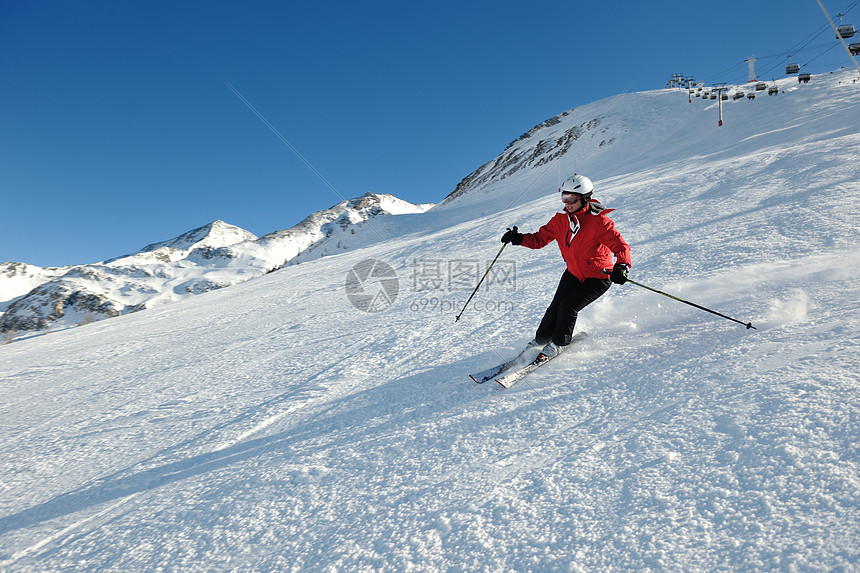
(273, 426)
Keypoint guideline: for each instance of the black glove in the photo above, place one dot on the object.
(513, 236)
(619, 273)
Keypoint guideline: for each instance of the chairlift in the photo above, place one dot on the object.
(751, 95)
(772, 90)
(713, 96)
(760, 87)
(854, 48)
(724, 97)
(845, 32)
(804, 78)
(675, 80)
(738, 95)
(792, 69)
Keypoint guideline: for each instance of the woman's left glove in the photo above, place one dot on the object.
(619, 273)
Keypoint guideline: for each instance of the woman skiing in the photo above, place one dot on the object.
(587, 239)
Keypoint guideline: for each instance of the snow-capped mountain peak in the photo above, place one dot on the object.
(209, 257)
(213, 235)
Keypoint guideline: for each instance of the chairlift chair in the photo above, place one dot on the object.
(738, 95)
(760, 86)
(792, 69)
(751, 95)
(854, 48)
(845, 32)
(804, 78)
(772, 90)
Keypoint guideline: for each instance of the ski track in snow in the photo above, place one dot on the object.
(272, 426)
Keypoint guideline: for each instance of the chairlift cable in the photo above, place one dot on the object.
(801, 48)
(840, 35)
(821, 54)
(803, 44)
(850, 6)
(727, 71)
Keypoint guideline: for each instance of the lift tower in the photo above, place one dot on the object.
(751, 63)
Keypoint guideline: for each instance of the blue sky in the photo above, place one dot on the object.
(118, 129)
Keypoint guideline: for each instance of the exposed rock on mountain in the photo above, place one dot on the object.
(210, 257)
(543, 144)
(17, 279)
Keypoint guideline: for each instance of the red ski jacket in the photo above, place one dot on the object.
(587, 239)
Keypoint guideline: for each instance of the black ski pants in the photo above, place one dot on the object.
(571, 296)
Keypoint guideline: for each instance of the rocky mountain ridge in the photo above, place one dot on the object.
(541, 145)
(210, 257)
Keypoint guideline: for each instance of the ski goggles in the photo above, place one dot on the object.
(570, 198)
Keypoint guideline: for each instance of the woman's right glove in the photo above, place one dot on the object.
(619, 274)
(512, 236)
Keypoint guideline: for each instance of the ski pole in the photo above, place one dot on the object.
(747, 324)
(480, 281)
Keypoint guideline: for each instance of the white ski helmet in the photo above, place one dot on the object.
(579, 184)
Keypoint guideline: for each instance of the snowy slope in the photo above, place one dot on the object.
(274, 426)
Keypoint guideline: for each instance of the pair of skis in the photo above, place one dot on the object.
(512, 371)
